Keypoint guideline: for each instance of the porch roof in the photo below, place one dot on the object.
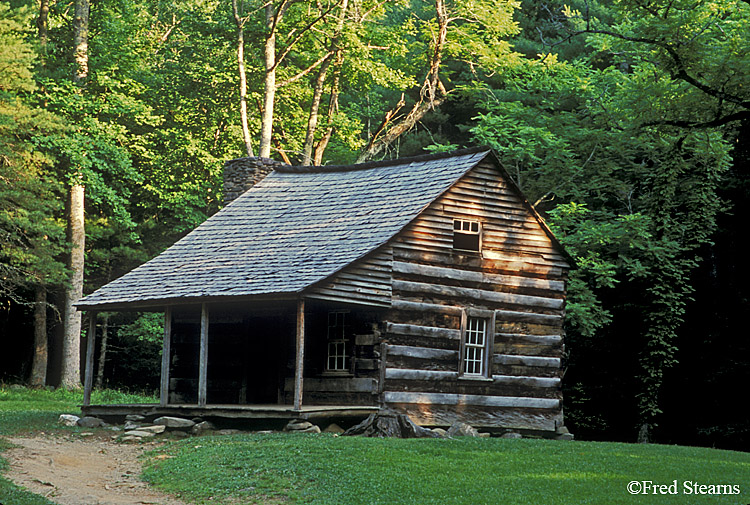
(298, 226)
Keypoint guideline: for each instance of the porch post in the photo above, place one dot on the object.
(298, 369)
(88, 378)
(165, 357)
(203, 370)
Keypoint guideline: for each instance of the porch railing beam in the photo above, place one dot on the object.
(299, 367)
(165, 358)
(88, 378)
(203, 363)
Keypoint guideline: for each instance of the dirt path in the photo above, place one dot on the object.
(72, 470)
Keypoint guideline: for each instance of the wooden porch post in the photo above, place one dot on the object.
(298, 369)
(165, 357)
(88, 379)
(203, 370)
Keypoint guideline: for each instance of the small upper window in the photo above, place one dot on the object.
(466, 235)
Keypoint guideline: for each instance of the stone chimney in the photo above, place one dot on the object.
(242, 174)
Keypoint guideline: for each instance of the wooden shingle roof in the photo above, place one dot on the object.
(297, 227)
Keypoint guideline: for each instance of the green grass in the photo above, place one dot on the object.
(25, 410)
(321, 469)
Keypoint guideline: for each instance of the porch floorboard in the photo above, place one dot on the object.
(231, 411)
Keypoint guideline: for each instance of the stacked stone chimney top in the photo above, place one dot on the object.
(241, 174)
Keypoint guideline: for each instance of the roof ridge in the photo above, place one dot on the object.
(292, 169)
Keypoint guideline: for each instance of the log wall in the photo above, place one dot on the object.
(518, 278)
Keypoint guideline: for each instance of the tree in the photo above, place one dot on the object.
(71, 365)
(473, 35)
(236, 11)
(31, 239)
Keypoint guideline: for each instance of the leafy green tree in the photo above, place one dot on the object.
(30, 236)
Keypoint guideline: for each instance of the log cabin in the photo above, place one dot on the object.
(426, 285)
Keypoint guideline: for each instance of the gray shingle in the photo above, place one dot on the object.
(293, 229)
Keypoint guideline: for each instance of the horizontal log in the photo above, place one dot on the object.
(532, 339)
(436, 375)
(421, 352)
(482, 417)
(537, 260)
(528, 317)
(479, 294)
(491, 261)
(423, 331)
(426, 307)
(430, 242)
(476, 277)
(411, 374)
(335, 385)
(477, 400)
(509, 359)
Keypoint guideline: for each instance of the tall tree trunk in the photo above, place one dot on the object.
(102, 352)
(312, 120)
(39, 362)
(269, 88)
(333, 108)
(81, 41)
(243, 77)
(71, 365)
(43, 28)
(428, 99)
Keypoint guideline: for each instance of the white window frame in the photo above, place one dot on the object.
(336, 343)
(475, 354)
(467, 227)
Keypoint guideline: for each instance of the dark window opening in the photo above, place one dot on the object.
(466, 235)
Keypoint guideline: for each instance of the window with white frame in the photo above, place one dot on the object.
(475, 347)
(467, 235)
(338, 358)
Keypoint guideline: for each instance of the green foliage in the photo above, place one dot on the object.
(30, 238)
(347, 470)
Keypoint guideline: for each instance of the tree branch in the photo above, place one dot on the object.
(306, 71)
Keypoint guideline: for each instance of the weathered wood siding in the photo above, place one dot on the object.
(367, 281)
(519, 277)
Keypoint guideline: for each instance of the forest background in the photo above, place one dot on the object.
(625, 121)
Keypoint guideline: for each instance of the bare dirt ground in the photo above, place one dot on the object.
(75, 470)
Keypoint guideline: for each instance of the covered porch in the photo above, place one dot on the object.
(261, 359)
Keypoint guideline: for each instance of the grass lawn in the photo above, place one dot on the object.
(322, 469)
(32, 410)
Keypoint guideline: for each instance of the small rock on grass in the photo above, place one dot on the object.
(203, 427)
(68, 420)
(139, 433)
(174, 422)
(155, 429)
(333, 428)
(298, 425)
(90, 422)
(459, 429)
(135, 418)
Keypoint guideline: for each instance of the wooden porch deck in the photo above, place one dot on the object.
(233, 412)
